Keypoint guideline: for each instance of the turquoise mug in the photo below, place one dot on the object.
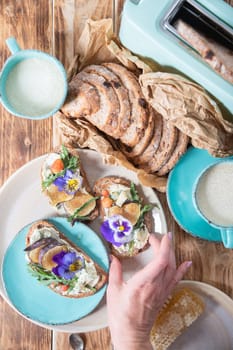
(33, 84)
(213, 198)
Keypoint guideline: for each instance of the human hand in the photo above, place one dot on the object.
(133, 305)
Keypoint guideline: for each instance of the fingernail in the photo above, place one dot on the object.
(188, 263)
(169, 235)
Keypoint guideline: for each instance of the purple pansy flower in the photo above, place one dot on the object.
(117, 230)
(70, 182)
(68, 263)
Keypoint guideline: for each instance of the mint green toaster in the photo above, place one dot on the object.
(147, 29)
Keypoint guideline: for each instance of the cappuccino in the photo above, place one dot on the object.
(214, 194)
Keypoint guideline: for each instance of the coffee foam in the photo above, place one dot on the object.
(214, 194)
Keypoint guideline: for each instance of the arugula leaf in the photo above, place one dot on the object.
(75, 215)
(131, 246)
(145, 209)
(64, 154)
(134, 193)
(44, 276)
(48, 277)
(70, 162)
(93, 289)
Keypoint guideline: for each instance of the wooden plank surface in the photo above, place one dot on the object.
(54, 26)
(20, 141)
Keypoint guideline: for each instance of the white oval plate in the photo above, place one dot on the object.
(213, 329)
(22, 202)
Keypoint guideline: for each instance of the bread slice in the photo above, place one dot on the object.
(152, 147)
(178, 313)
(78, 205)
(138, 149)
(119, 197)
(43, 242)
(106, 118)
(113, 81)
(180, 149)
(166, 147)
(82, 99)
(218, 56)
(139, 106)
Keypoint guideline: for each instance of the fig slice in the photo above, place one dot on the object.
(56, 196)
(35, 252)
(39, 243)
(130, 211)
(47, 247)
(47, 259)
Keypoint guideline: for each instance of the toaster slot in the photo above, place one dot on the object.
(197, 28)
(200, 19)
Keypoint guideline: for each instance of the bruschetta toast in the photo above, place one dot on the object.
(60, 264)
(126, 220)
(65, 183)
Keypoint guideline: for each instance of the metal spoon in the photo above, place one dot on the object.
(76, 342)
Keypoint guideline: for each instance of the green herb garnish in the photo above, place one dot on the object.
(76, 217)
(46, 277)
(134, 193)
(93, 289)
(131, 246)
(70, 162)
(143, 210)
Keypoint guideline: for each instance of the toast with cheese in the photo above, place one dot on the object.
(60, 264)
(126, 220)
(65, 183)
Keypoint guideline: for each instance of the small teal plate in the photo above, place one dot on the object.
(36, 301)
(179, 193)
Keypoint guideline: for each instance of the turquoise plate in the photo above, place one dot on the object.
(36, 301)
(179, 193)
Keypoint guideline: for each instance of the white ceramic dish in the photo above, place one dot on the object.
(22, 202)
(213, 329)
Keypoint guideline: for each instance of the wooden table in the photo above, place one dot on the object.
(54, 27)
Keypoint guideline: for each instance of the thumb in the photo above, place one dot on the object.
(115, 272)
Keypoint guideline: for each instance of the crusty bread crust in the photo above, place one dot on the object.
(101, 272)
(104, 184)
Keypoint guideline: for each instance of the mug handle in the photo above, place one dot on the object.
(227, 237)
(12, 45)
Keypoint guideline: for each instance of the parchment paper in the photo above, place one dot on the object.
(188, 107)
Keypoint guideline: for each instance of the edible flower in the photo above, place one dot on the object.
(69, 182)
(68, 263)
(117, 230)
